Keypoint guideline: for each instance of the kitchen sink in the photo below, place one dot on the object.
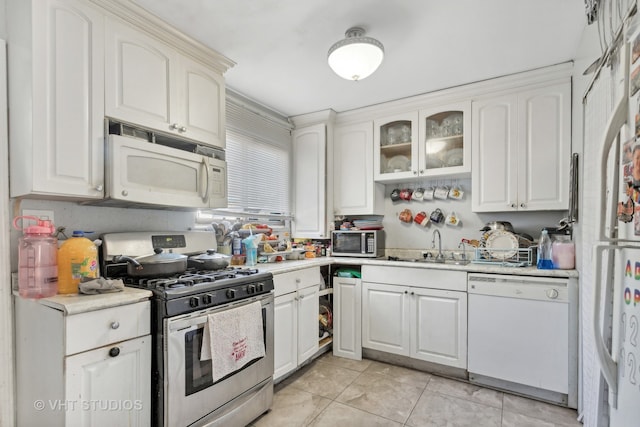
(431, 261)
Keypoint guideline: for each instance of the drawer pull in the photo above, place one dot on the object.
(115, 325)
(115, 351)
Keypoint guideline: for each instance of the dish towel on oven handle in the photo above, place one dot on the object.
(232, 338)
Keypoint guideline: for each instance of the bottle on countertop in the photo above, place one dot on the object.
(77, 259)
(563, 252)
(37, 258)
(545, 261)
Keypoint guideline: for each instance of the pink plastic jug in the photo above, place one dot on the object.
(37, 258)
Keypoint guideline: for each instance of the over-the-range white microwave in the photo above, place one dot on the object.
(146, 174)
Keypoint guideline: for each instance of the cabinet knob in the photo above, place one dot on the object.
(522, 205)
(298, 280)
(173, 126)
(413, 293)
(182, 129)
(552, 293)
(406, 292)
(301, 297)
(115, 325)
(99, 187)
(125, 193)
(512, 205)
(415, 172)
(114, 352)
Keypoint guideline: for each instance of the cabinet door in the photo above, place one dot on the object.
(385, 318)
(544, 149)
(308, 325)
(439, 326)
(67, 105)
(494, 155)
(201, 104)
(354, 190)
(110, 386)
(285, 334)
(309, 182)
(138, 83)
(445, 140)
(347, 318)
(395, 152)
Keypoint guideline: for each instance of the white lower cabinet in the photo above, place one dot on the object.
(416, 321)
(347, 317)
(92, 368)
(295, 329)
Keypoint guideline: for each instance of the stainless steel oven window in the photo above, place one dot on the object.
(198, 373)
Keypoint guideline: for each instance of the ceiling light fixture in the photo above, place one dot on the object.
(355, 57)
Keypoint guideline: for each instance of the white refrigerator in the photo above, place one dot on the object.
(616, 252)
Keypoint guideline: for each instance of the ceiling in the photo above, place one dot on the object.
(280, 46)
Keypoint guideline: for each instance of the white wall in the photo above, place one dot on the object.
(412, 236)
(3, 20)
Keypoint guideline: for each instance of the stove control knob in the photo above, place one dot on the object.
(260, 287)
(194, 301)
(251, 289)
(231, 293)
(207, 299)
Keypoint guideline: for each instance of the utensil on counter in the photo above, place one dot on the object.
(159, 264)
(209, 260)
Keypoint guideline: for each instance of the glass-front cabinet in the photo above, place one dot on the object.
(396, 147)
(445, 140)
(433, 142)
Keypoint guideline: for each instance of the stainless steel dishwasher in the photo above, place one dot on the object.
(523, 335)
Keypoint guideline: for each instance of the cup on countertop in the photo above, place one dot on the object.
(418, 194)
(395, 194)
(405, 194)
(406, 216)
(421, 218)
(441, 192)
(437, 216)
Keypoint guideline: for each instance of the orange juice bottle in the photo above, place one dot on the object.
(77, 259)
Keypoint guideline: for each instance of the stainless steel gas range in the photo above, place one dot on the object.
(183, 390)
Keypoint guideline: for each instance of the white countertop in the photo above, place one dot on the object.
(286, 266)
(80, 303)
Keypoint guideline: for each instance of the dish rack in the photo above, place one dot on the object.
(524, 257)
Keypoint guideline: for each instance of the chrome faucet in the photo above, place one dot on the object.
(440, 256)
(464, 250)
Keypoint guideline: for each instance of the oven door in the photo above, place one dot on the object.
(140, 172)
(189, 391)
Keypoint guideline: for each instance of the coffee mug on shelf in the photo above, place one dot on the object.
(456, 193)
(427, 193)
(405, 194)
(437, 216)
(441, 192)
(421, 218)
(406, 216)
(418, 194)
(395, 194)
(452, 219)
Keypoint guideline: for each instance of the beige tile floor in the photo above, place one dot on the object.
(332, 391)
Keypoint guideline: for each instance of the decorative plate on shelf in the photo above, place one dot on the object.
(454, 157)
(398, 164)
(502, 244)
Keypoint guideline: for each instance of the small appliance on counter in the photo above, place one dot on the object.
(358, 243)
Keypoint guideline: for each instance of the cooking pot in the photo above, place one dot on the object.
(157, 265)
(498, 225)
(208, 261)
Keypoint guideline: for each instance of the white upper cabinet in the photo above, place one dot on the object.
(309, 181)
(151, 84)
(396, 146)
(522, 150)
(56, 80)
(445, 140)
(354, 190)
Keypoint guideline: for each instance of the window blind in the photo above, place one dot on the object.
(258, 158)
